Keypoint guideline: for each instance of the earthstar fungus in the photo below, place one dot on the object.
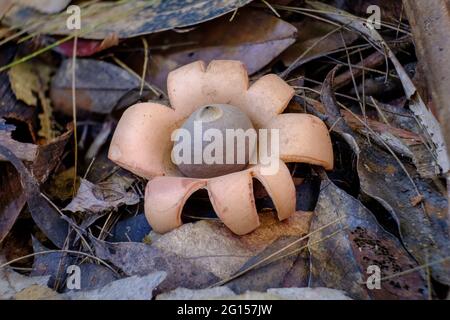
(142, 144)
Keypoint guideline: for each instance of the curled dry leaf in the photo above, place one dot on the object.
(40, 159)
(43, 214)
(342, 253)
(24, 151)
(96, 198)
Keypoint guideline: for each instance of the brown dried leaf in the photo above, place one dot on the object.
(96, 198)
(44, 215)
(40, 159)
(253, 37)
(342, 253)
(24, 151)
(12, 198)
(313, 42)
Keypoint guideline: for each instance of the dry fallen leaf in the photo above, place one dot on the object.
(253, 37)
(315, 39)
(100, 85)
(132, 18)
(11, 282)
(430, 125)
(24, 83)
(215, 248)
(30, 83)
(43, 214)
(136, 258)
(131, 288)
(95, 198)
(342, 253)
(12, 198)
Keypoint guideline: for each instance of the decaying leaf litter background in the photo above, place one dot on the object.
(379, 91)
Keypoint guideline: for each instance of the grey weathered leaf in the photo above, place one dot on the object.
(99, 86)
(132, 288)
(135, 258)
(12, 282)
